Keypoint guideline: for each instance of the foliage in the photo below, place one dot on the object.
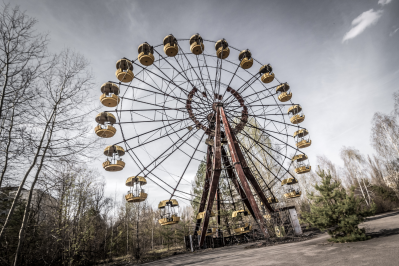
(336, 211)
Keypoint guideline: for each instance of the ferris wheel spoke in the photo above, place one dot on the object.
(248, 83)
(192, 68)
(266, 132)
(260, 175)
(180, 72)
(185, 169)
(261, 144)
(167, 156)
(287, 171)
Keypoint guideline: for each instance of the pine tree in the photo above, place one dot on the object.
(337, 211)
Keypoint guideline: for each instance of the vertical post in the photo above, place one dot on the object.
(237, 164)
(218, 208)
(216, 167)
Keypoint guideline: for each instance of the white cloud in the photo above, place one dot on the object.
(392, 33)
(384, 2)
(363, 21)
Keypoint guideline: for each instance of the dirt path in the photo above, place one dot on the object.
(381, 250)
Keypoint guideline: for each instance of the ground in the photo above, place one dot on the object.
(381, 250)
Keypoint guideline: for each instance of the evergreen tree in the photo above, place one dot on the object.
(337, 211)
(197, 186)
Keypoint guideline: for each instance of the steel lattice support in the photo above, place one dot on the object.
(234, 151)
(217, 169)
(235, 182)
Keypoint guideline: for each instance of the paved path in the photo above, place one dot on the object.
(382, 250)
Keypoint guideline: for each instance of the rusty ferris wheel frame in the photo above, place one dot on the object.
(187, 97)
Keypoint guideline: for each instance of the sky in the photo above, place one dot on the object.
(340, 57)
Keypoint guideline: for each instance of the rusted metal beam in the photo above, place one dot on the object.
(205, 191)
(217, 169)
(237, 164)
(236, 184)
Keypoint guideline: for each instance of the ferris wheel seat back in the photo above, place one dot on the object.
(296, 119)
(293, 194)
(303, 144)
(289, 181)
(169, 220)
(303, 169)
(107, 132)
(285, 96)
(124, 76)
(171, 50)
(109, 100)
(146, 59)
(113, 167)
(140, 198)
(267, 77)
(223, 53)
(243, 230)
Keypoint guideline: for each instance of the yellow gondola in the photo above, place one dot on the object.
(243, 230)
(267, 76)
(222, 49)
(292, 194)
(110, 92)
(196, 44)
(105, 128)
(201, 215)
(136, 193)
(300, 166)
(300, 138)
(115, 163)
(169, 212)
(294, 112)
(303, 169)
(289, 181)
(146, 54)
(284, 94)
(170, 46)
(124, 70)
(246, 60)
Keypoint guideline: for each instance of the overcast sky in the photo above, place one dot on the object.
(342, 56)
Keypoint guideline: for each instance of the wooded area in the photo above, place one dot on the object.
(53, 207)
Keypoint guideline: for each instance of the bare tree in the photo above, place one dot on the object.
(22, 59)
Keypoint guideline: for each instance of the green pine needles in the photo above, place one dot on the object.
(337, 211)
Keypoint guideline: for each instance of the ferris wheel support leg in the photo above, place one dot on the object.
(218, 210)
(205, 191)
(235, 182)
(239, 169)
(217, 169)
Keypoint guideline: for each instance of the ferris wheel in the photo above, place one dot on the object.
(187, 101)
